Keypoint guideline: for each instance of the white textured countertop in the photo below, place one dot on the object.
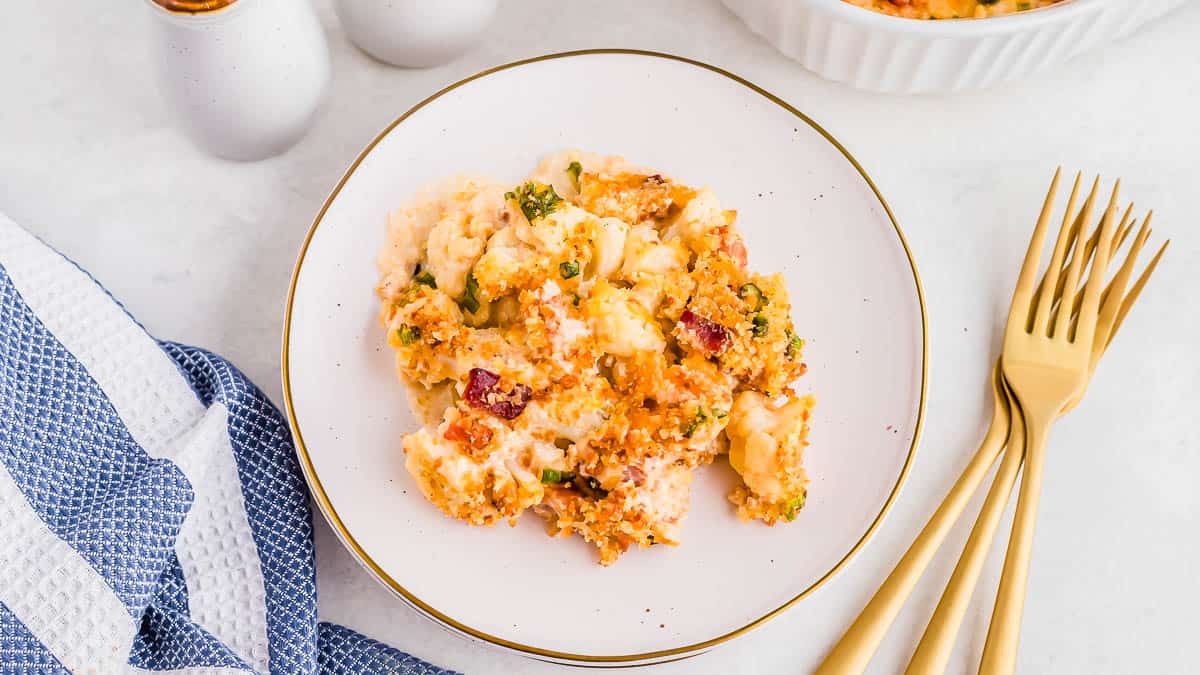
(200, 250)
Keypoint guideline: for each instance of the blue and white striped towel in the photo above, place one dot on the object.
(152, 513)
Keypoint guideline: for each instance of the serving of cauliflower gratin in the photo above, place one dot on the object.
(951, 9)
(580, 343)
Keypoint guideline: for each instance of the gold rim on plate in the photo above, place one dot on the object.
(326, 506)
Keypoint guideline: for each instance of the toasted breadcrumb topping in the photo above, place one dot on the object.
(951, 9)
(580, 343)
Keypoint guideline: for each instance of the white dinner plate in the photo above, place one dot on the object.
(806, 209)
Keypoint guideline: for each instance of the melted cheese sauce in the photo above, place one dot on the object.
(581, 343)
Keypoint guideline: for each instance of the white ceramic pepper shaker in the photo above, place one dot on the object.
(243, 77)
(415, 33)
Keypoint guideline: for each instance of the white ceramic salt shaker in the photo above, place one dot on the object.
(415, 33)
(244, 77)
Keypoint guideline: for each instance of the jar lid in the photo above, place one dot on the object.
(193, 6)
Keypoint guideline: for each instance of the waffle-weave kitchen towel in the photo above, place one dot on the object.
(152, 513)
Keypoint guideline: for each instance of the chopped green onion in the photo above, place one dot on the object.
(720, 413)
(426, 278)
(575, 299)
(753, 295)
(535, 199)
(794, 506)
(650, 539)
(569, 269)
(794, 345)
(470, 299)
(574, 169)
(555, 477)
(691, 427)
(760, 326)
(408, 334)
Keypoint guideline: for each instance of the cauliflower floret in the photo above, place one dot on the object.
(553, 169)
(665, 497)
(549, 234)
(699, 216)
(647, 257)
(407, 232)
(431, 315)
(478, 479)
(765, 446)
(449, 479)
(567, 334)
(570, 413)
(458, 238)
(655, 268)
(507, 262)
(489, 349)
(621, 325)
(518, 254)
(608, 237)
(648, 514)
(524, 254)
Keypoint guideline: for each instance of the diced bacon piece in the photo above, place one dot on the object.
(733, 246)
(712, 336)
(475, 435)
(483, 391)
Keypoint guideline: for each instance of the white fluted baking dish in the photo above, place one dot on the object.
(874, 51)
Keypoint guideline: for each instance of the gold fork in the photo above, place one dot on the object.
(854, 650)
(1045, 362)
(936, 644)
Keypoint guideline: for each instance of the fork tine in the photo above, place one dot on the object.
(1078, 258)
(1119, 241)
(1076, 249)
(1124, 228)
(1134, 250)
(1085, 324)
(1067, 233)
(1116, 287)
(1023, 293)
(1081, 224)
(1136, 290)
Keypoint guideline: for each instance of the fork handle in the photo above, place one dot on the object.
(1004, 633)
(853, 652)
(933, 652)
